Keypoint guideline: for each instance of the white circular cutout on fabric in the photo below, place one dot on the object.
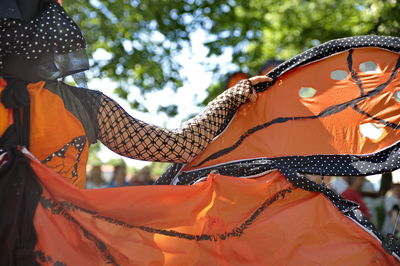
(307, 92)
(372, 131)
(369, 67)
(396, 96)
(339, 75)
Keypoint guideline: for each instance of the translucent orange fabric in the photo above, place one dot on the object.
(223, 221)
(333, 134)
(52, 128)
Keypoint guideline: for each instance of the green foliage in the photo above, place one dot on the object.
(116, 162)
(157, 168)
(139, 37)
(143, 37)
(170, 110)
(380, 214)
(93, 154)
(213, 91)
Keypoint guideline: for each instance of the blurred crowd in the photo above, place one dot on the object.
(107, 176)
(380, 207)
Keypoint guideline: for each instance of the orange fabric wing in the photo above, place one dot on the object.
(300, 95)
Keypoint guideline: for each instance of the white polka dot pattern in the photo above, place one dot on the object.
(330, 48)
(53, 32)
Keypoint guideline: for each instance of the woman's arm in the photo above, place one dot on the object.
(133, 138)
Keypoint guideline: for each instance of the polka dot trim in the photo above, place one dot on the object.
(293, 168)
(330, 48)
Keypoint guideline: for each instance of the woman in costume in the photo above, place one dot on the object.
(204, 224)
(40, 44)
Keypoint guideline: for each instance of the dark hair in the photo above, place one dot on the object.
(351, 179)
(269, 65)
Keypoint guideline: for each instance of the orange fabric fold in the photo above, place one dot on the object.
(222, 221)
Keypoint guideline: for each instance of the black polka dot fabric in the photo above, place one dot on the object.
(330, 48)
(53, 32)
(291, 166)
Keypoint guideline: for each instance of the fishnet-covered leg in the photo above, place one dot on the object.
(136, 139)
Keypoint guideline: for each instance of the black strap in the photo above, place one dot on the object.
(19, 186)
(15, 96)
(20, 192)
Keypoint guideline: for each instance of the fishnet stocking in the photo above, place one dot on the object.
(133, 138)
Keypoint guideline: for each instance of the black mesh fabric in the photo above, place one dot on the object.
(133, 138)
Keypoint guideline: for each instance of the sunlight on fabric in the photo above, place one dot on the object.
(372, 131)
(307, 92)
(396, 96)
(339, 75)
(369, 67)
(396, 176)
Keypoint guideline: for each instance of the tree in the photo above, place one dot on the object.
(94, 159)
(142, 37)
(157, 168)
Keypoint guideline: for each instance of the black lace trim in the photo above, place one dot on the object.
(79, 144)
(60, 209)
(43, 258)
